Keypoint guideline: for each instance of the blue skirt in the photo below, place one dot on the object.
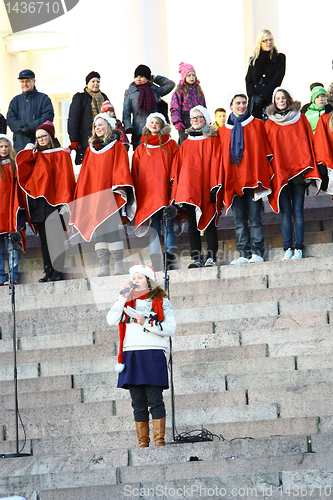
(147, 367)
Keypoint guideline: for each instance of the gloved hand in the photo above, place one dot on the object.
(26, 130)
(179, 126)
(74, 145)
(129, 130)
(258, 101)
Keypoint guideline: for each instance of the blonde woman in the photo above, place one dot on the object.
(266, 71)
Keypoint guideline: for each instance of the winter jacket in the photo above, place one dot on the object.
(80, 120)
(29, 109)
(181, 105)
(3, 124)
(262, 81)
(132, 118)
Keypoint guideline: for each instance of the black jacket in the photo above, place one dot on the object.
(80, 120)
(262, 81)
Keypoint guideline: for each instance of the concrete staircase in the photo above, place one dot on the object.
(252, 363)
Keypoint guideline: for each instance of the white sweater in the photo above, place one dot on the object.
(139, 337)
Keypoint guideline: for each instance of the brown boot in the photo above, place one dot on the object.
(159, 431)
(142, 430)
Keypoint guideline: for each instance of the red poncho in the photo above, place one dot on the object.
(292, 147)
(11, 200)
(101, 188)
(197, 169)
(323, 147)
(48, 174)
(254, 170)
(151, 177)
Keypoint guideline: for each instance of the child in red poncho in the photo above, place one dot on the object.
(151, 173)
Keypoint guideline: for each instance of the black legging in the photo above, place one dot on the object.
(144, 396)
(195, 239)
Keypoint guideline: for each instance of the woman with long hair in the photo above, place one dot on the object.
(266, 70)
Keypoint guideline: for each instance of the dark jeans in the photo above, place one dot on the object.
(144, 396)
(244, 209)
(291, 207)
(12, 249)
(195, 239)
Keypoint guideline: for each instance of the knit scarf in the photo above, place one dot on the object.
(285, 116)
(155, 140)
(147, 101)
(237, 138)
(97, 100)
(155, 315)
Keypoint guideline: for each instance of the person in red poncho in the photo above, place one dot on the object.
(9, 208)
(247, 176)
(146, 319)
(151, 173)
(45, 174)
(103, 188)
(323, 145)
(197, 173)
(290, 137)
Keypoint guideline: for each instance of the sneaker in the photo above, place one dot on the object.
(298, 254)
(210, 262)
(256, 258)
(194, 264)
(240, 260)
(287, 254)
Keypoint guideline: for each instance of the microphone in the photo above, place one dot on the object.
(131, 287)
(170, 212)
(15, 237)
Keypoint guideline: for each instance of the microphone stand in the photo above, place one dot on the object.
(167, 215)
(15, 238)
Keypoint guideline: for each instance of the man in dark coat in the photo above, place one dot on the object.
(28, 110)
(83, 109)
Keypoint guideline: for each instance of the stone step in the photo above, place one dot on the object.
(31, 385)
(198, 417)
(277, 379)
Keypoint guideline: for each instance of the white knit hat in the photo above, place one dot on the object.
(108, 118)
(281, 88)
(233, 94)
(148, 271)
(204, 111)
(9, 139)
(155, 115)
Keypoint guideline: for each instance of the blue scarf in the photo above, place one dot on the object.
(237, 138)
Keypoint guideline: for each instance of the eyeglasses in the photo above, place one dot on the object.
(196, 118)
(26, 80)
(267, 40)
(41, 137)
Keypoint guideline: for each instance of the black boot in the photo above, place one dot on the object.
(171, 261)
(48, 273)
(55, 276)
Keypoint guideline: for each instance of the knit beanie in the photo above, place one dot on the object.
(107, 106)
(9, 139)
(277, 90)
(204, 111)
(316, 91)
(91, 75)
(185, 68)
(143, 70)
(148, 271)
(105, 116)
(155, 115)
(48, 127)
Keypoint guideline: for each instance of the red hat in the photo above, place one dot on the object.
(48, 127)
(107, 106)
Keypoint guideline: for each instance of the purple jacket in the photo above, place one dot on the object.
(181, 104)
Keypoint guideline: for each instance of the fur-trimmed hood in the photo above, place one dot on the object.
(208, 131)
(166, 130)
(272, 109)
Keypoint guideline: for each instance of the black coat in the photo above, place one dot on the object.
(80, 120)
(264, 79)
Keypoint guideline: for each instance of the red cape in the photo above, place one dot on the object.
(196, 170)
(48, 174)
(151, 177)
(101, 188)
(323, 147)
(254, 170)
(292, 147)
(11, 200)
